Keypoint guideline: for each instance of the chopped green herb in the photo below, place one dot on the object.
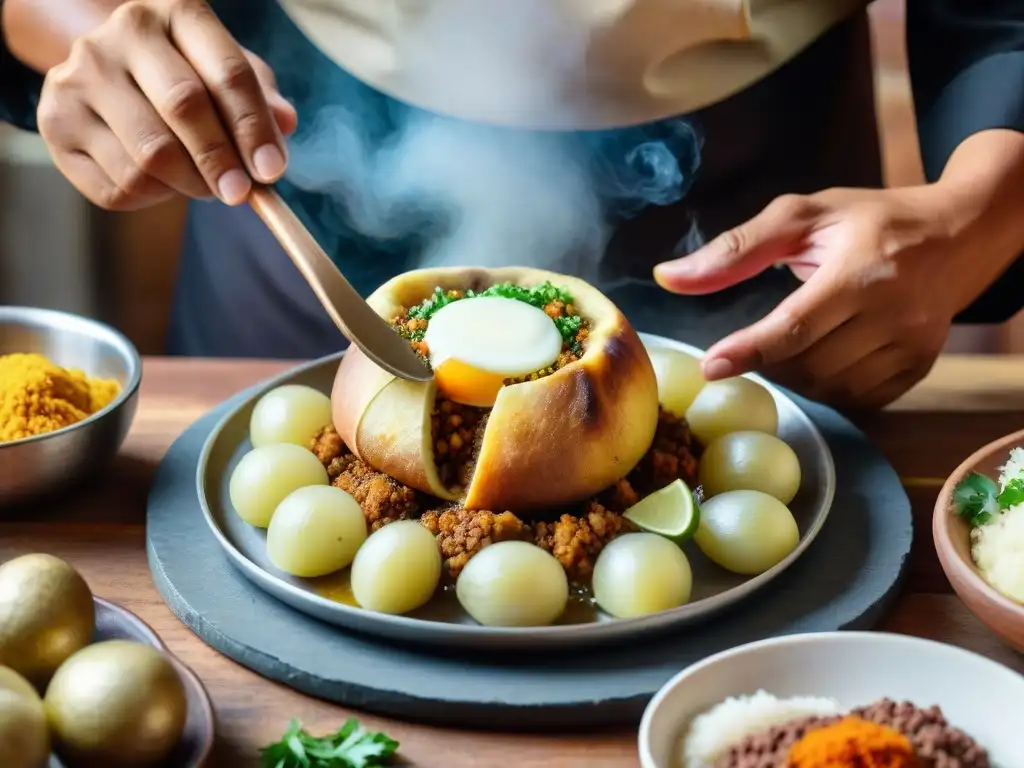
(1012, 494)
(976, 499)
(539, 296)
(428, 307)
(569, 327)
(351, 747)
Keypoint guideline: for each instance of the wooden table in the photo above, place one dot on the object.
(965, 403)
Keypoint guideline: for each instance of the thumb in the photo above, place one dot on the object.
(743, 252)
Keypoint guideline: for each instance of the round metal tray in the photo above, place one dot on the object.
(442, 622)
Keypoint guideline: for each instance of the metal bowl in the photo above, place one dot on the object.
(39, 466)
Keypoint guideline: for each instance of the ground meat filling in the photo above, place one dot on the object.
(576, 538)
(936, 743)
(382, 498)
(461, 533)
(673, 454)
(457, 430)
(576, 541)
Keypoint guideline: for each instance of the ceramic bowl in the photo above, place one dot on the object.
(45, 464)
(193, 751)
(952, 537)
(976, 694)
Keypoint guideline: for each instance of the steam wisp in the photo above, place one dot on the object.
(465, 193)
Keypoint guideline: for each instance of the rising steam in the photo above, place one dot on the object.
(475, 194)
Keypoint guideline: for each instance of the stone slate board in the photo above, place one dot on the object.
(845, 580)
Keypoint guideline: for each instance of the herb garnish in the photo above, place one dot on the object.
(539, 296)
(978, 499)
(351, 747)
(1012, 494)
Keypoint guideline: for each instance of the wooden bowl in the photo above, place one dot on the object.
(952, 536)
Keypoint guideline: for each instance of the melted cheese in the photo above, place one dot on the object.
(477, 343)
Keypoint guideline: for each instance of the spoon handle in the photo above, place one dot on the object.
(349, 311)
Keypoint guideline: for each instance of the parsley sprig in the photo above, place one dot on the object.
(352, 746)
(978, 499)
(538, 296)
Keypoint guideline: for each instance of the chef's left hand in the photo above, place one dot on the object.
(883, 278)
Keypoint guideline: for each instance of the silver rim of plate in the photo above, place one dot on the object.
(245, 546)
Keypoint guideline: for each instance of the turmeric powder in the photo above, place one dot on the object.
(852, 743)
(38, 396)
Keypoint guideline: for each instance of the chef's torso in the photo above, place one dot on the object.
(565, 64)
(797, 120)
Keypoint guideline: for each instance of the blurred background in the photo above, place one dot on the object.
(57, 251)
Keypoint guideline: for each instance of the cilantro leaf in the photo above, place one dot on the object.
(1012, 494)
(975, 499)
(351, 746)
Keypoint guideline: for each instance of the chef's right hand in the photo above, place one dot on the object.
(160, 100)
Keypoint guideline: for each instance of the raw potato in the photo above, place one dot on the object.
(265, 476)
(398, 568)
(641, 573)
(46, 614)
(315, 531)
(513, 584)
(732, 405)
(680, 379)
(746, 532)
(24, 736)
(750, 461)
(116, 704)
(292, 413)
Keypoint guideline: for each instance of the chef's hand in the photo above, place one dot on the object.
(160, 100)
(880, 274)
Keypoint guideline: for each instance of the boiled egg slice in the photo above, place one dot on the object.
(476, 343)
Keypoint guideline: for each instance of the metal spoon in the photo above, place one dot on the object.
(349, 311)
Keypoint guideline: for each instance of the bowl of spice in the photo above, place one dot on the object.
(837, 700)
(68, 394)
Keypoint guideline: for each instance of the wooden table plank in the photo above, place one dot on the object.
(962, 405)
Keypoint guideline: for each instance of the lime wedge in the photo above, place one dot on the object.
(670, 512)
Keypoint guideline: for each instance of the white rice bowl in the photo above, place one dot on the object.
(712, 733)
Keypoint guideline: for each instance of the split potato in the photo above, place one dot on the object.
(547, 442)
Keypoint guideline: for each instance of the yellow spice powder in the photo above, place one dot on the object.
(37, 396)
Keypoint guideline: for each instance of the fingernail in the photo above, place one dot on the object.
(718, 368)
(269, 162)
(672, 268)
(234, 187)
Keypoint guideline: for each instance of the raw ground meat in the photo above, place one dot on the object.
(937, 743)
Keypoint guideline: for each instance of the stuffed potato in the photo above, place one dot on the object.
(551, 438)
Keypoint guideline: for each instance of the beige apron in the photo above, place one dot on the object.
(564, 64)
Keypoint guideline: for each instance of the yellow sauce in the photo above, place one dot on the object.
(444, 605)
(337, 587)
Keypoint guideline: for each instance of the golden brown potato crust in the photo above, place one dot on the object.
(550, 442)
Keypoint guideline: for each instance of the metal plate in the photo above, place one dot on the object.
(442, 622)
